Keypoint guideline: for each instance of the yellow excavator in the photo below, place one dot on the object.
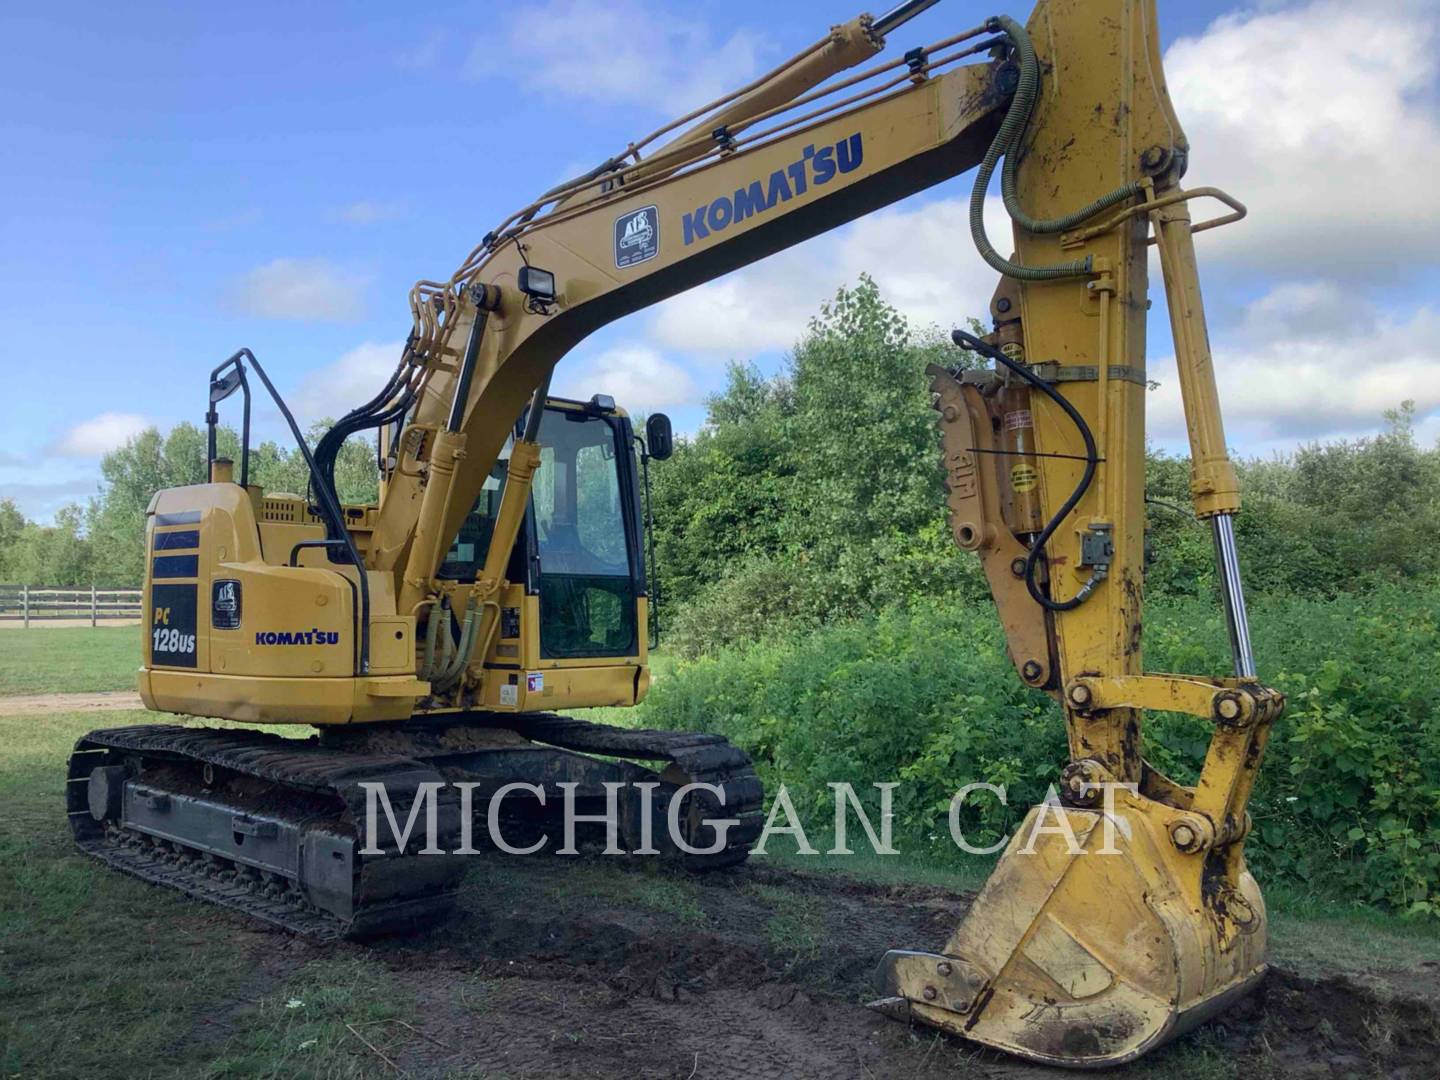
(503, 573)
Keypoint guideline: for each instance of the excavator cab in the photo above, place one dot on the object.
(580, 548)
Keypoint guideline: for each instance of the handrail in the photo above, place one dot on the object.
(220, 389)
(329, 503)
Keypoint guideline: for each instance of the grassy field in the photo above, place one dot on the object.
(45, 660)
(104, 976)
(107, 976)
(82, 660)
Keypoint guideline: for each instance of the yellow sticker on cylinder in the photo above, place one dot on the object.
(1024, 477)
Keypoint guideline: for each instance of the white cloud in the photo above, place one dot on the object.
(619, 52)
(639, 378)
(1294, 372)
(368, 212)
(312, 289)
(99, 435)
(920, 256)
(352, 380)
(1321, 118)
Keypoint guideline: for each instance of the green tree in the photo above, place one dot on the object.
(721, 500)
(58, 554)
(12, 527)
(815, 494)
(869, 503)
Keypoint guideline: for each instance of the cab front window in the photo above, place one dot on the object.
(586, 574)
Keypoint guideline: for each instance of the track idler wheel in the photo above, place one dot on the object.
(1087, 954)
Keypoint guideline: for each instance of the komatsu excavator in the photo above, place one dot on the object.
(503, 573)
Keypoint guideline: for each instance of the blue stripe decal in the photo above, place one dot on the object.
(184, 517)
(177, 541)
(174, 566)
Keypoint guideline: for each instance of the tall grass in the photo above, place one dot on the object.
(1348, 800)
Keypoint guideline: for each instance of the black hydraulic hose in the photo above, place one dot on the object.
(330, 510)
(1092, 458)
(392, 384)
(467, 370)
(327, 451)
(1006, 144)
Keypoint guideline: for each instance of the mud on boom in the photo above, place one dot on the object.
(502, 574)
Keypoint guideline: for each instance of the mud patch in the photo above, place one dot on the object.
(590, 968)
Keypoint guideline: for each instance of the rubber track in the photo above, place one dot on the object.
(262, 754)
(706, 758)
(272, 758)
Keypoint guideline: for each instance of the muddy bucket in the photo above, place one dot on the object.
(1094, 941)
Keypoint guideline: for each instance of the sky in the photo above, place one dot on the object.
(180, 180)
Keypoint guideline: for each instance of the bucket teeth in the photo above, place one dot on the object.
(945, 981)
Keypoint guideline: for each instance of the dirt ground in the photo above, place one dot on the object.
(39, 704)
(762, 972)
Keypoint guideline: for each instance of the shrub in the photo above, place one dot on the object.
(1348, 800)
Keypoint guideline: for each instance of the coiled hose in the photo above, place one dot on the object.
(1006, 144)
(1092, 458)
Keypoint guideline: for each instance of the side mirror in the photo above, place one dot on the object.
(225, 385)
(659, 436)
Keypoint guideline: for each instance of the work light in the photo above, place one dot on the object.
(537, 284)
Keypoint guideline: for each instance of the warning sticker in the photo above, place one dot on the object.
(535, 682)
(1024, 478)
(1020, 418)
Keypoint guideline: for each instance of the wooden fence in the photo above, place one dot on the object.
(32, 604)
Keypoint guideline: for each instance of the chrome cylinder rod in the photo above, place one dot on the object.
(900, 14)
(1227, 562)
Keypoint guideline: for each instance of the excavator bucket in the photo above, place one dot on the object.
(1093, 942)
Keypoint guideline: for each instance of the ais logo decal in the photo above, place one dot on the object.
(637, 236)
(225, 605)
(817, 167)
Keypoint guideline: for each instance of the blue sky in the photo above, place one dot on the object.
(181, 180)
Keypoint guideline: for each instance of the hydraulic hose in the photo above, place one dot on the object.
(447, 643)
(368, 415)
(1006, 144)
(1092, 459)
(455, 663)
(432, 633)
